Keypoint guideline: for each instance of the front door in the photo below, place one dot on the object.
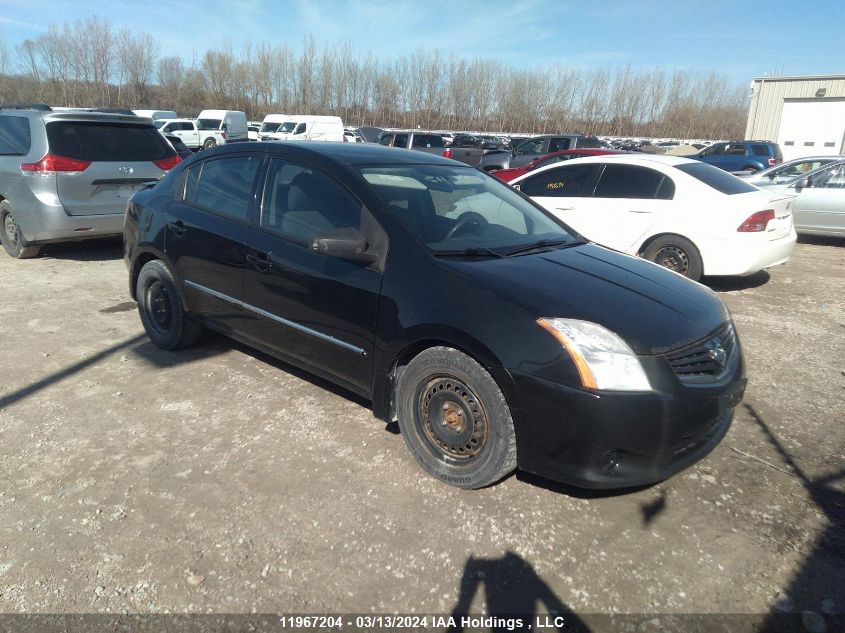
(318, 309)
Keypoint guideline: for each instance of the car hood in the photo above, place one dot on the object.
(652, 308)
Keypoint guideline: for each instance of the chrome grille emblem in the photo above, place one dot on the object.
(716, 352)
(125, 170)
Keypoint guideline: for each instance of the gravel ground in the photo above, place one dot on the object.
(219, 480)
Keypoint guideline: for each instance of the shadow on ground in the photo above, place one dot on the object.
(727, 284)
(100, 249)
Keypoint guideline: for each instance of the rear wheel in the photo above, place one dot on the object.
(675, 253)
(209, 143)
(455, 420)
(160, 306)
(11, 236)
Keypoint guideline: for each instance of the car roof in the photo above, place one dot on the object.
(346, 153)
(628, 158)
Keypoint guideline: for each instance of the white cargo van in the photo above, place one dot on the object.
(309, 128)
(271, 125)
(157, 114)
(231, 122)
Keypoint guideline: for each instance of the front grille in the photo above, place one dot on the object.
(705, 359)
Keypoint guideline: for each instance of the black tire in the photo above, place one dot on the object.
(209, 143)
(160, 306)
(11, 236)
(675, 253)
(437, 391)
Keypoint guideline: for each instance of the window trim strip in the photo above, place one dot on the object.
(293, 324)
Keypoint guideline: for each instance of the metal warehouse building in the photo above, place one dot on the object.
(805, 115)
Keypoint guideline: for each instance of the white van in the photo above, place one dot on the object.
(310, 128)
(270, 126)
(231, 122)
(157, 114)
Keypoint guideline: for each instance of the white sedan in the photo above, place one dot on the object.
(683, 214)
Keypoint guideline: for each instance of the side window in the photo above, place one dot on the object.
(186, 127)
(15, 137)
(299, 129)
(630, 181)
(560, 182)
(558, 144)
(400, 140)
(301, 202)
(224, 185)
(385, 139)
(719, 149)
(760, 150)
(533, 146)
(736, 149)
(833, 178)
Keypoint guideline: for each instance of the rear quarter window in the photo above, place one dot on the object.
(716, 178)
(15, 137)
(760, 150)
(107, 142)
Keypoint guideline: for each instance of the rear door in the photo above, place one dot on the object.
(120, 155)
(628, 200)
(820, 206)
(206, 230)
(320, 310)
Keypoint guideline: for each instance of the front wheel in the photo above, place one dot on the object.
(11, 237)
(455, 420)
(209, 143)
(675, 253)
(160, 307)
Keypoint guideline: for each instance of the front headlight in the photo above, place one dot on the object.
(603, 359)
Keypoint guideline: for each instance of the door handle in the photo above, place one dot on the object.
(564, 208)
(638, 211)
(259, 261)
(177, 226)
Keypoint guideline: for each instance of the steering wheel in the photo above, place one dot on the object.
(469, 217)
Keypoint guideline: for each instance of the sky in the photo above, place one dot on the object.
(742, 40)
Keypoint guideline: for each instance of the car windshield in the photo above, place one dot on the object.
(270, 126)
(287, 126)
(159, 122)
(458, 209)
(209, 124)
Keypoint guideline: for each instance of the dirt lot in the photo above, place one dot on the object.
(217, 479)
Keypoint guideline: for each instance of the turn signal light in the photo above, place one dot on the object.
(447, 153)
(166, 164)
(50, 164)
(757, 222)
(773, 162)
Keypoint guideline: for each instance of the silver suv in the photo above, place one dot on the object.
(67, 175)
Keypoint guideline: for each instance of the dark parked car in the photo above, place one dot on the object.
(741, 155)
(495, 335)
(527, 151)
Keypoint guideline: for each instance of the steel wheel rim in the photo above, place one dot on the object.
(674, 258)
(10, 228)
(452, 418)
(158, 306)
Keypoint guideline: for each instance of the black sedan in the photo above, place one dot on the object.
(495, 335)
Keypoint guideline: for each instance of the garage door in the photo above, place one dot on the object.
(811, 127)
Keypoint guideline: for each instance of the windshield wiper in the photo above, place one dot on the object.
(477, 251)
(542, 244)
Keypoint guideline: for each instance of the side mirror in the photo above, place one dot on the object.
(347, 243)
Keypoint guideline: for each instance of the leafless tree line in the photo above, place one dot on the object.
(90, 63)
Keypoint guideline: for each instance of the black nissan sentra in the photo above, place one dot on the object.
(496, 336)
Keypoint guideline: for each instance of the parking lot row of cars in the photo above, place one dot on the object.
(395, 273)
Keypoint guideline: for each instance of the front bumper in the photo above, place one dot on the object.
(620, 440)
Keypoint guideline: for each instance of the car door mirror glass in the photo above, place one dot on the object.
(344, 243)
